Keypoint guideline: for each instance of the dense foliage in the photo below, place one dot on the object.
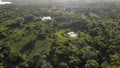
(27, 41)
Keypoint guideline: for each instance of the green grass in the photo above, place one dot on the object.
(60, 36)
(41, 47)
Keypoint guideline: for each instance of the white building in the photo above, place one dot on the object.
(46, 18)
(4, 2)
(72, 34)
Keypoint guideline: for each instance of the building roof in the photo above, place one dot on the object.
(46, 18)
(72, 34)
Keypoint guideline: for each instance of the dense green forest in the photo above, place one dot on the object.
(28, 41)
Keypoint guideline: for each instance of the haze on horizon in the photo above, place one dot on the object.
(57, 1)
(5, 2)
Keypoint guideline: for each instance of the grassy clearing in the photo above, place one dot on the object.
(60, 36)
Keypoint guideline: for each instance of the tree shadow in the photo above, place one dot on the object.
(28, 47)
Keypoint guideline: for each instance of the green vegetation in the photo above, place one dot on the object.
(27, 41)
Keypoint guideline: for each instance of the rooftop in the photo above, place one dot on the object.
(46, 18)
(72, 34)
